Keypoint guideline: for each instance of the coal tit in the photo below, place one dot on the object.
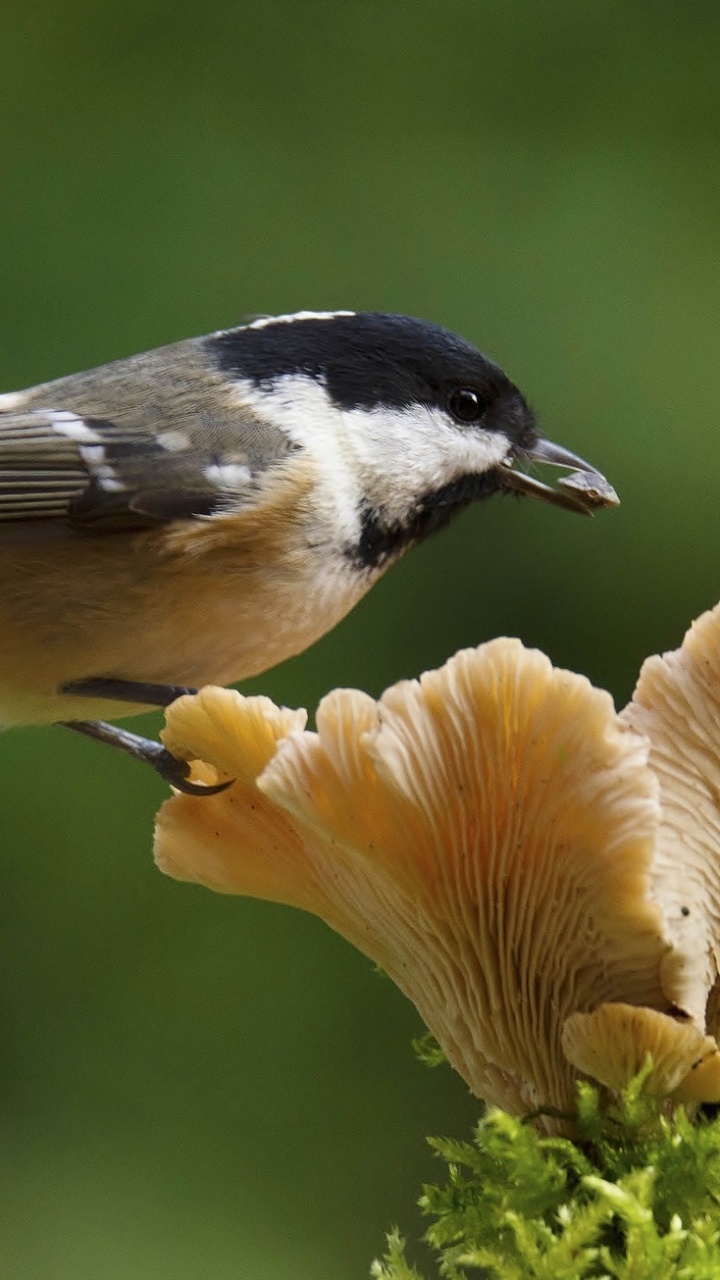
(200, 512)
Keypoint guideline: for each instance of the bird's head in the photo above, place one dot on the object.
(405, 421)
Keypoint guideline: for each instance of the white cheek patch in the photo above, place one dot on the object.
(11, 400)
(389, 457)
(421, 449)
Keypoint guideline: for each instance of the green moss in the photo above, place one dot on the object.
(427, 1050)
(636, 1197)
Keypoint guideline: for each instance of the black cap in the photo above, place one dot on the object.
(372, 359)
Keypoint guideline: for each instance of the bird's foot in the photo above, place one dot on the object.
(174, 771)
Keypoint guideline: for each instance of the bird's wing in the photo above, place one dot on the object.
(157, 437)
(95, 475)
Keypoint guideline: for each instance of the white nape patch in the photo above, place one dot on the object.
(69, 425)
(173, 441)
(93, 455)
(228, 475)
(303, 410)
(10, 400)
(388, 457)
(264, 321)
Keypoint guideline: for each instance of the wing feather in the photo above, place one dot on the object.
(41, 472)
(157, 437)
(96, 476)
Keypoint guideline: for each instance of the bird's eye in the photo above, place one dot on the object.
(465, 405)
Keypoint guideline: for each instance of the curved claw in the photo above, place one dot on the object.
(177, 773)
(172, 770)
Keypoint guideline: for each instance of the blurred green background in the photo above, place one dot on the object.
(195, 1086)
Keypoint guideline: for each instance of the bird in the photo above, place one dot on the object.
(198, 513)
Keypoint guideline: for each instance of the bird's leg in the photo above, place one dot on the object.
(172, 770)
(155, 695)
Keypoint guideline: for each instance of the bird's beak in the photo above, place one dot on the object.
(585, 490)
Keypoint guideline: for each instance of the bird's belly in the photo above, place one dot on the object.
(199, 623)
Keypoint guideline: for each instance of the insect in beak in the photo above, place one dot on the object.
(584, 490)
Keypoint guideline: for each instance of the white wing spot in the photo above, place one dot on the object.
(69, 425)
(108, 481)
(228, 475)
(174, 441)
(93, 455)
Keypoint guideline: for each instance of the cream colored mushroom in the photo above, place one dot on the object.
(611, 1045)
(485, 834)
(676, 705)
(541, 876)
